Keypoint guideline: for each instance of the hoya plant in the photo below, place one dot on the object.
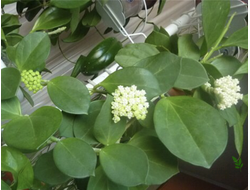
(171, 98)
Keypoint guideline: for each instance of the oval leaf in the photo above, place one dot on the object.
(159, 39)
(66, 127)
(77, 35)
(238, 38)
(162, 164)
(160, 65)
(101, 182)
(10, 108)
(227, 65)
(69, 4)
(79, 156)
(210, 10)
(91, 18)
(105, 130)
(32, 51)
(34, 130)
(243, 69)
(116, 162)
(52, 17)
(10, 80)
(46, 171)
(183, 118)
(187, 48)
(192, 75)
(69, 94)
(133, 53)
(143, 79)
(84, 124)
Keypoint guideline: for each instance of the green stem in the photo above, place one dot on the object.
(44, 82)
(130, 123)
(212, 59)
(99, 32)
(97, 150)
(63, 52)
(54, 139)
(215, 47)
(94, 90)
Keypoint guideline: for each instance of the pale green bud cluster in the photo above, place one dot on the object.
(129, 102)
(226, 90)
(32, 80)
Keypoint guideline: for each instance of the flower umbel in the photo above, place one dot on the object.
(129, 102)
(32, 80)
(226, 90)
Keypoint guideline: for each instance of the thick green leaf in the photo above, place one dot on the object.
(212, 70)
(10, 108)
(143, 79)
(105, 130)
(19, 165)
(32, 51)
(75, 158)
(9, 23)
(80, 32)
(238, 129)
(13, 39)
(74, 19)
(4, 186)
(34, 130)
(158, 39)
(84, 124)
(245, 99)
(91, 18)
(187, 48)
(183, 118)
(212, 10)
(46, 171)
(162, 164)
(243, 69)
(33, 8)
(192, 75)
(101, 182)
(132, 53)
(11, 53)
(2, 35)
(66, 127)
(10, 80)
(161, 5)
(165, 66)
(69, 94)
(238, 38)
(227, 65)
(52, 17)
(124, 164)
(78, 66)
(27, 96)
(230, 115)
(69, 4)
(238, 136)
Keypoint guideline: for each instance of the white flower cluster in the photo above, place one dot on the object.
(129, 102)
(226, 89)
